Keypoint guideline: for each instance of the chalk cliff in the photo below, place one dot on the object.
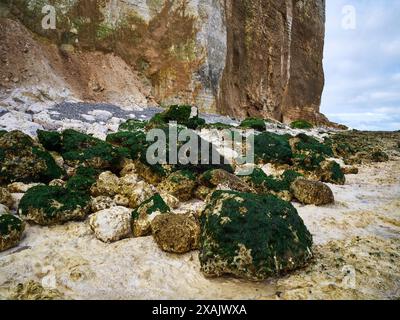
(240, 58)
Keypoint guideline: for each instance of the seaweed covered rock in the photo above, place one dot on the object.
(181, 114)
(331, 172)
(181, 184)
(6, 198)
(132, 144)
(303, 143)
(301, 124)
(379, 156)
(82, 180)
(11, 230)
(50, 140)
(252, 236)
(214, 178)
(47, 205)
(272, 148)
(254, 123)
(176, 233)
(81, 149)
(24, 160)
(111, 224)
(279, 186)
(312, 192)
(144, 214)
(84, 149)
(356, 147)
(133, 125)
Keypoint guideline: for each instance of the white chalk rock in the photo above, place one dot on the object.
(111, 224)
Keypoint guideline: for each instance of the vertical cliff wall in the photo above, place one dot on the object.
(240, 58)
(274, 59)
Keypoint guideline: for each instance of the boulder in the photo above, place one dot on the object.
(252, 236)
(180, 184)
(111, 224)
(20, 187)
(170, 200)
(331, 172)
(138, 193)
(272, 148)
(49, 205)
(176, 233)
(312, 192)
(101, 203)
(107, 184)
(24, 160)
(143, 215)
(11, 230)
(276, 185)
(213, 178)
(6, 198)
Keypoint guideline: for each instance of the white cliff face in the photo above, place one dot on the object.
(253, 58)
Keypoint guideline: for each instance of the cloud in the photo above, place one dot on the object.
(362, 66)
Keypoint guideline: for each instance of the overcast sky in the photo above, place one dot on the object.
(362, 65)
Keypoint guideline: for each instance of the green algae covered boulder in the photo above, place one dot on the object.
(82, 180)
(133, 125)
(252, 236)
(331, 172)
(49, 205)
(133, 143)
(301, 124)
(80, 148)
(145, 213)
(272, 148)
(24, 160)
(11, 230)
(279, 186)
(181, 114)
(254, 123)
(303, 143)
(50, 140)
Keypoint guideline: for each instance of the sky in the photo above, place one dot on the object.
(362, 64)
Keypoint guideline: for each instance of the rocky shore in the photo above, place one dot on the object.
(85, 216)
